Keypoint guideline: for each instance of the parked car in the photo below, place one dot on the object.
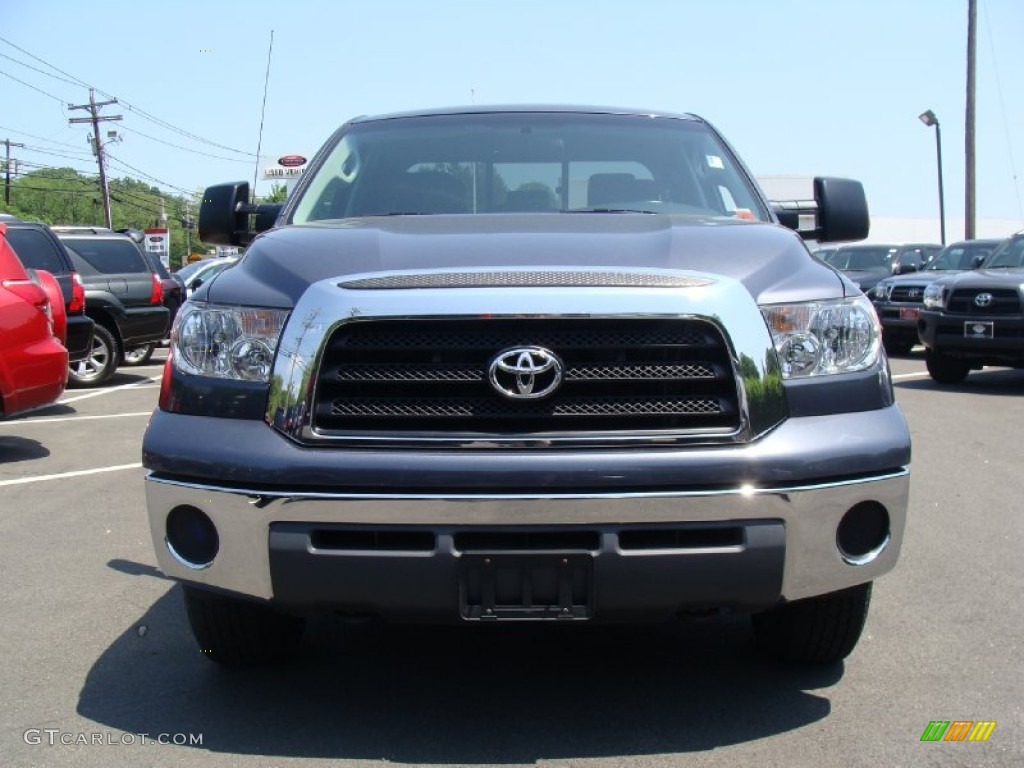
(198, 272)
(899, 299)
(868, 263)
(174, 297)
(39, 248)
(33, 361)
(123, 295)
(976, 318)
(630, 396)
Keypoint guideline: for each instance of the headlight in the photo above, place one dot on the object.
(934, 296)
(227, 342)
(819, 338)
(882, 291)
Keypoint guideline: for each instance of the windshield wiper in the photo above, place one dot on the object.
(604, 210)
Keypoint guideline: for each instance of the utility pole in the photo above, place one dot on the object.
(7, 170)
(94, 117)
(972, 33)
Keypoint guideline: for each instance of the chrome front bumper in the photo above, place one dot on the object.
(810, 514)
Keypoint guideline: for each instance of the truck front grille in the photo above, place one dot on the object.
(432, 378)
(907, 294)
(1005, 301)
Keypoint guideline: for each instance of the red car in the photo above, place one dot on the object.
(33, 361)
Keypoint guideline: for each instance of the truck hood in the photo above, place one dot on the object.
(986, 278)
(771, 261)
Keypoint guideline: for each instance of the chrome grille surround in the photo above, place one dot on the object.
(710, 304)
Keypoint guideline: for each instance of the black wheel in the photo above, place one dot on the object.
(818, 630)
(239, 633)
(139, 355)
(100, 363)
(946, 370)
(897, 345)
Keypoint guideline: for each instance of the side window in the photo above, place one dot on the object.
(111, 257)
(35, 250)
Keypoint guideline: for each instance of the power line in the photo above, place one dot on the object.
(41, 138)
(127, 105)
(36, 69)
(79, 191)
(45, 151)
(178, 146)
(146, 175)
(1002, 106)
(29, 85)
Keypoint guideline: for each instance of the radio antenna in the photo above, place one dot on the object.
(263, 112)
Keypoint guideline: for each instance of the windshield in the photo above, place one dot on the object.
(863, 258)
(1010, 253)
(959, 257)
(527, 162)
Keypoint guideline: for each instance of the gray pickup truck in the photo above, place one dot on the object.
(527, 364)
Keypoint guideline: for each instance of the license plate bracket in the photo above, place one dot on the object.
(496, 587)
(979, 329)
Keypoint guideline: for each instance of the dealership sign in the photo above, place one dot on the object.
(285, 167)
(158, 241)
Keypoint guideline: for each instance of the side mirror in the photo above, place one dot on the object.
(196, 283)
(838, 213)
(224, 215)
(904, 267)
(977, 261)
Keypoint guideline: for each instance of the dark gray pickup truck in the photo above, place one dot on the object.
(527, 364)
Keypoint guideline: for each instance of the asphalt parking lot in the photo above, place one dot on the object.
(97, 651)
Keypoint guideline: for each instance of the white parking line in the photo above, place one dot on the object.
(919, 375)
(52, 419)
(62, 475)
(108, 390)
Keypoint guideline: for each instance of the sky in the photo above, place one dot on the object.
(798, 87)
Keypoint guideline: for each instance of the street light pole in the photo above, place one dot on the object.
(929, 119)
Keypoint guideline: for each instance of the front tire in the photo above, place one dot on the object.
(139, 355)
(946, 370)
(100, 363)
(237, 633)
(816, 630)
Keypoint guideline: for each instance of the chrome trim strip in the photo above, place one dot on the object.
(722, 302)
(743, 491)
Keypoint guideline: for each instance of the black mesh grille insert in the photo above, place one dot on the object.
(432, 376)
(1002, 301)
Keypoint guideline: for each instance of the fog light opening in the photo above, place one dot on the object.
(191, 537)
(863, 533)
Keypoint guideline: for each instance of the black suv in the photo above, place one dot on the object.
(123, 294)
(898, 299)
(973, 319)
(38, 248)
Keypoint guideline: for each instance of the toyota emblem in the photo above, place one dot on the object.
(525, 373)
(983, 299)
